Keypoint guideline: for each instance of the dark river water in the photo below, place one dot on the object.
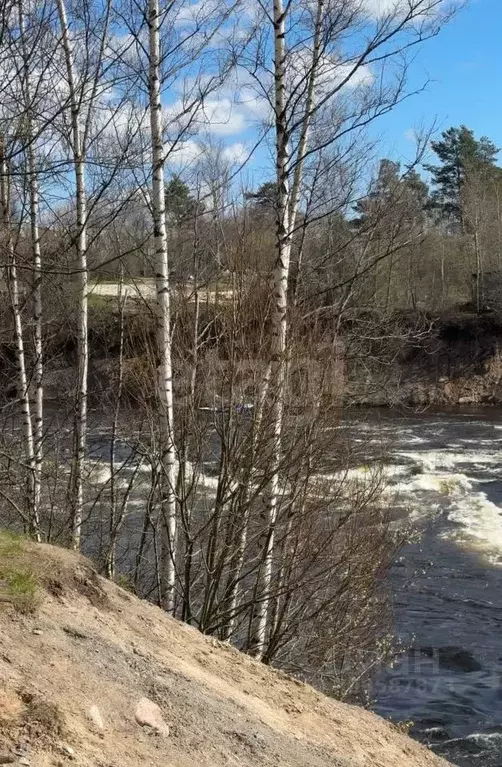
(446, 471)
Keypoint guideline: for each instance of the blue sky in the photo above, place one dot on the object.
(463, 71)
(464, 66)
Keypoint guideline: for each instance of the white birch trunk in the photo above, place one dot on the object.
(165, 383)
(116, 520)
(38, 366)
(234, 579)
(279, 329)
(38, 369)
(81, 246)
(287, 205)
(22, 380)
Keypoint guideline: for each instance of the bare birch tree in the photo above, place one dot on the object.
(34, 215)
(180, 56)
(31, 516)
(78, 151)
(312, 74)
(89, 79)
(168, 454)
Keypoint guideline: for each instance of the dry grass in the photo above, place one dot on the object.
(18, 582)
(42, 715)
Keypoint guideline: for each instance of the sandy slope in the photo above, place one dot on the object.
(93, 644)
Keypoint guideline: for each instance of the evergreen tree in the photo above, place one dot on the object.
(387, 180)
(414, 197)
(381, 190)
(180, 205)
(265, 196)
(459, 153)
(393, 198)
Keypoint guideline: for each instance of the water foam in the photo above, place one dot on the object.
(443, 483)
(426, 481)
(480, 523)
(434, 460)
(429, 481)
(477, 521)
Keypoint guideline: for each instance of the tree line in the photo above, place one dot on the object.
(428, 238)
(403, 240)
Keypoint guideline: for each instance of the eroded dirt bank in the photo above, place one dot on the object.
(96, 677)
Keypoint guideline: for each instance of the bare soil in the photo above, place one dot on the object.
(91, 644)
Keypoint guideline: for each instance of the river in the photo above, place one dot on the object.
(446, 470)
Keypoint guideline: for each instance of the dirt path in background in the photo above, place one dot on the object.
(144, 289)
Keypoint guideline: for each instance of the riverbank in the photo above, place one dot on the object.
(450, 360)
(91, 674)
(413, 360)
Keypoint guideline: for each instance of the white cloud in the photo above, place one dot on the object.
(338, 72)
(331, 73)
(235, 153)
(240, 103)
(185, 153)
(128, 47)
(197, 12)
(377, 9)
(222, 117)
(253, 103)
(188, 153)
(219, 115)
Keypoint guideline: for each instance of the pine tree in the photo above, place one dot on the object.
(382, 189)
(265, 196)
(180, 205)
(393, 197)
(459, 153)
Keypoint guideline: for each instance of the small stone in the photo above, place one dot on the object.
(95, 717)
(24, 761)
(260, 739)
(67, 750)
(149, 714)
(37, 632)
